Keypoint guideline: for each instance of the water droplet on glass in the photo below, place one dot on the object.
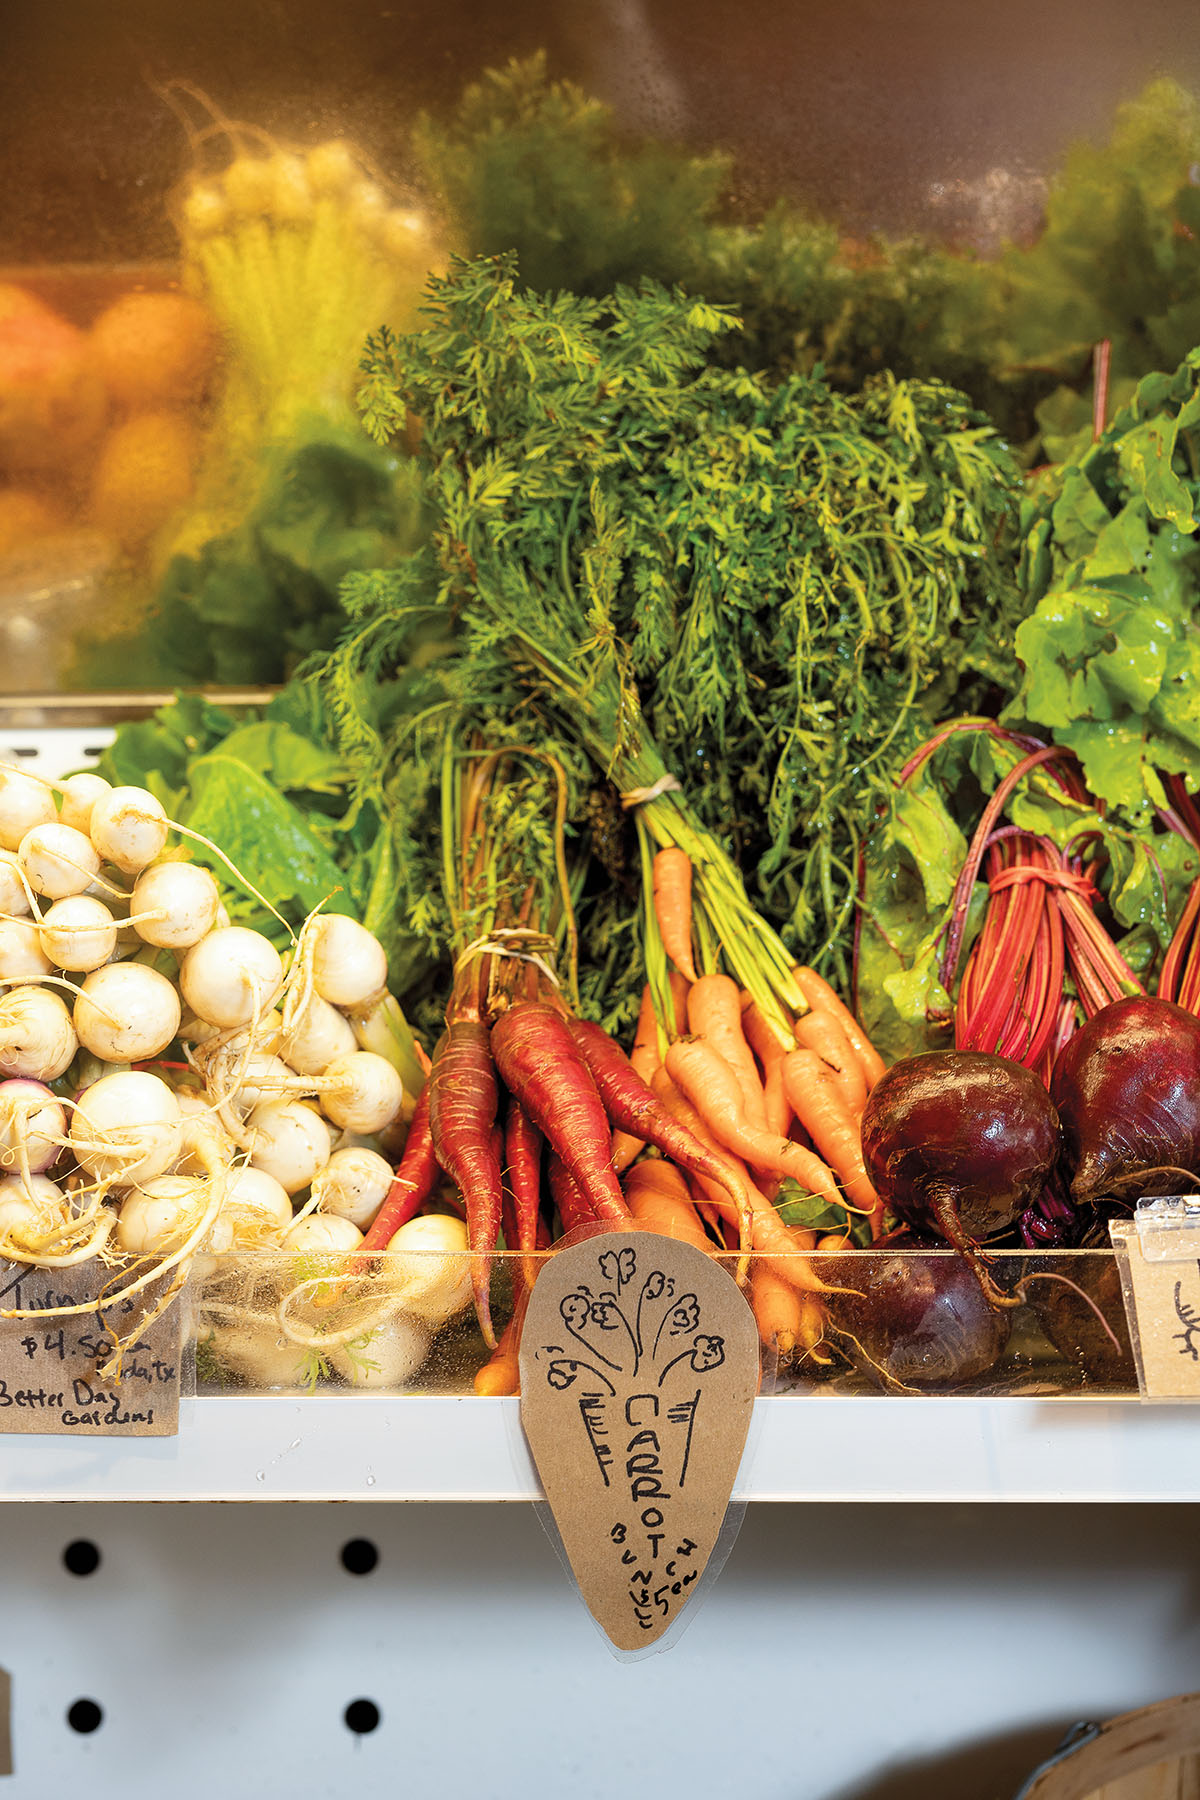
(261, 1475)
(370, 1481)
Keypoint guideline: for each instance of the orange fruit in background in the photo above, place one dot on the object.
(143, 473)
(53, 402)
(156, 349)
(25, 515)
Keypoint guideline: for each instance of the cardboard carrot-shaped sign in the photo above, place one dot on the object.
(639, 1367)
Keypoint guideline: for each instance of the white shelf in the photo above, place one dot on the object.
(466, 1449)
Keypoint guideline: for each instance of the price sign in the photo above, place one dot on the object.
(1159, 1257)
(639, 1367)
(50, 1365)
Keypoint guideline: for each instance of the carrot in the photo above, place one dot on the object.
(542, 1068)
(822, 1032)
(777, 1308)
(463, 1100)
(673, 906)
(633, 1106)
(822, 998)
(769, 1236)
(770, 1053)
(501, 1373)
(817, 1103)
(680, 987)
(412, 1183)
(572, 1205)
(523, 1155)
(645, 1059)
(715, 1014)
(709, 1084)
(659, 1199)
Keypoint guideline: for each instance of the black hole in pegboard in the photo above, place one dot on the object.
(94, 751)
(361, 1716)
(85, 1716)
(81, 1557)
(359, 1556)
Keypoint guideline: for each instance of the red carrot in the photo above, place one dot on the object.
(541, 1067)
(573, 1208)
(523, 1155)
(463, 1101)
(412, 1183)
(636, 1108)
(645, 1059)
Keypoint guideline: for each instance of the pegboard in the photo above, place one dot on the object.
(847, 1653)
(53, 751)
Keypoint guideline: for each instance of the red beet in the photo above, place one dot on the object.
(959, 1142)
(1127, 1089)
(920, 1321)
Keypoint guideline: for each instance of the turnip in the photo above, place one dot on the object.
(25, 801)
(174, 904)
(14, 890)
(353, 1185)
(361, 1092)
(126, 1012)
(388, 1357)
(429, 1265)
(31, 1214)
(1127, 1087)
(78, 795)
(127, 1129)
(959, 1143)
(349, 964)
(310, 1042)
(21, 955)
(58, 860)
(290, 1140)
(257, 1207)
(322, 1232)
(157, 1216)
(258, 1353)
(37, 1038)
(33, 1125)
(78, 933)
(231, 976)
(129, 828)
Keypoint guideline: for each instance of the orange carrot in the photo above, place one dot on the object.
(822, 998)
(659, 1199)
(715, 1014)
(681, 987)
(769, 1235)
(645, 1058)
(770, 1053)
(817, 1103)
(501, 1373)
(673, 906)
(708, 1083)
(777, 1308)
(822, 1032)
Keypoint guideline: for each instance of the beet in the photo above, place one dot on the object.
(960, 1143)
(1127, 1089)
(1065, 1293)
(919, 1321)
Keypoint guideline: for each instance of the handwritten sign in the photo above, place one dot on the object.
(49, 1367)
(639, 1367)
(1160, 1284)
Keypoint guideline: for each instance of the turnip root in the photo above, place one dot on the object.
(126, 1012)
(33, 1124)
(231, 977)
(361, 1092)
(349, 964)
(14, 890)
(429, 1267)
(129, 828)
(310, 1042)
(290, 1140)
(58, 860)
(388, 1357)
(79, 934)
(24, 802)
(322, 1232)
(77, 796)
(259, 1354)
(959, 1143)
(127, 1129)
(257, 1208)
(30, 1213)
(174, 904)
(353, 1185)
(21, 955)
(37, 1038)
(1127, 1087)
(157, 1217)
